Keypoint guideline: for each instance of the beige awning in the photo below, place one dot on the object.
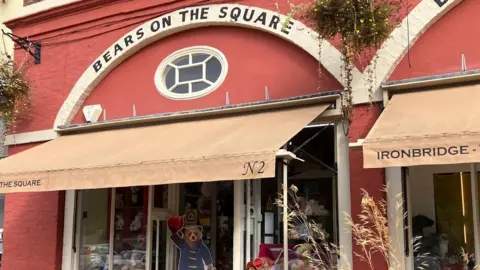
(231, 147)
(426, 128)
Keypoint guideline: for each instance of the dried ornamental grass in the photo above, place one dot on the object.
(370, 232)
(316, 251)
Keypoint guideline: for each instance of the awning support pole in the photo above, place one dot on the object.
(150, 229)
(248, 221)
(476, 217)
(393, 179)
(238, 250)
(344, 197)
(285, 214)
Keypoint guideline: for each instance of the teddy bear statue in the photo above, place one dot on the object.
(188, 239)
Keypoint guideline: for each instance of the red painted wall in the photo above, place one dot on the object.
(33, 228)
(440, 49)
(371, 180)
(70, 44)
(255, 60)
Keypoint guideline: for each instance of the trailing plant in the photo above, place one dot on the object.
(14, 93)
(361, 27)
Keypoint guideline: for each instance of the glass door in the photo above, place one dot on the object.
(250, 215)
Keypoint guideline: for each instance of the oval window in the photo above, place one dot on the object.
(191, 73)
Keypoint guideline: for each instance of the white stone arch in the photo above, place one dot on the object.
(424, 15)
(299, 34)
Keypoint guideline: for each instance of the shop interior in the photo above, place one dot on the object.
(113, 224)
(441, 208)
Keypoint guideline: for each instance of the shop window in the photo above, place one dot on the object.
(94, 229)
(191, 73)
(444, 222)
(112, 229)
(130, 233)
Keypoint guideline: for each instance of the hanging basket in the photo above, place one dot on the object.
(360, 26)
(14, 92)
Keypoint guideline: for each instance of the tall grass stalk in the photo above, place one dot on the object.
(370, 231)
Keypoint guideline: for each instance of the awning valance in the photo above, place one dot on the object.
(426, 128)
(231, 147)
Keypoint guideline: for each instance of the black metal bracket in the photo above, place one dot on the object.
(32, 47)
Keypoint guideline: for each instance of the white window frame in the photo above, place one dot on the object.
(160, 74)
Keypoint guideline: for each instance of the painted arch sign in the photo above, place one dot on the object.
(235, 14)
(194, 17)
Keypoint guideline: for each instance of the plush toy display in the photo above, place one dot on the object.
(203, 205)
(119, 201)
(187, 237)
(208, 189)
(96, 261)
(137, 222)
(250, 266)
(135, 191)
(119, 222)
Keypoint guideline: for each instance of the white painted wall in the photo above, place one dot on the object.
(12, 9)
(7, 10)
(18, 10)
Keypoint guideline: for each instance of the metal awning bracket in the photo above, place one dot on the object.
(284, 154)
(31, 47)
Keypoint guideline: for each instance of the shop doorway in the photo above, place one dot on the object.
(441, 204)
(260, 223)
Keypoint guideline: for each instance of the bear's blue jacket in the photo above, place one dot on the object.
(191, 258)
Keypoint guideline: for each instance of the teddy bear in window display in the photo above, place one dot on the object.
(136, 224)
(119, 221)
(96, 262)
(135, 195)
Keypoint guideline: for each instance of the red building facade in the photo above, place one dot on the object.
(109, 53)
